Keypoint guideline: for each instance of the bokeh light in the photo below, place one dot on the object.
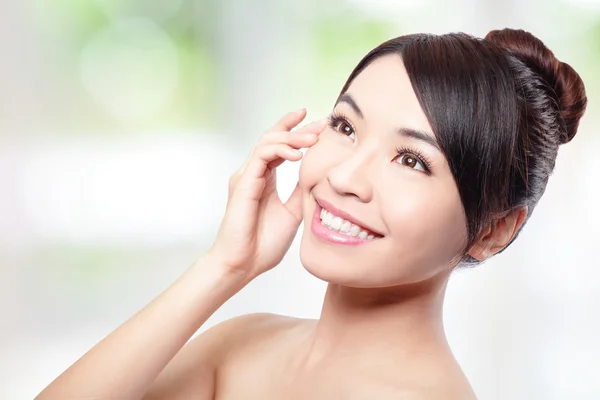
(130, 68)
(121, 122)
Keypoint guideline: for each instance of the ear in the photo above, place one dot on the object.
(498, 234)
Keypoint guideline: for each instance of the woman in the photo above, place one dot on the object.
(436, 153)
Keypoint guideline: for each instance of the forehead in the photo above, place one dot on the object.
(383, 92)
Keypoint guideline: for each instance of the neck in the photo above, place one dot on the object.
(403, 320)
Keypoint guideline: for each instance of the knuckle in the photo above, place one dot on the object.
(258, 151)
(268, 137)
(265, 150)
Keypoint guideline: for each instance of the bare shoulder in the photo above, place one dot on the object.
(257, 322)
(193, 371)
(462, 394)
(231, 336)
(430, 378)
(249, 329)
(245, 336)
(454, 386)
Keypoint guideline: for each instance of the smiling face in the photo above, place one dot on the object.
(378, 169)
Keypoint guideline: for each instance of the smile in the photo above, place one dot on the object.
(338, 224)
(335, 226)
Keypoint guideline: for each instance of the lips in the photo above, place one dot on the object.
(325, 226)
(343, 226)
(344, 216)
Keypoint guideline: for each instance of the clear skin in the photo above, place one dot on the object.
(380, 333)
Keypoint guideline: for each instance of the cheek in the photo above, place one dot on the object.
(316, 162)
(428, 220)
(307, 169)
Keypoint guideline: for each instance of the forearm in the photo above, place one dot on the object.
(126, 362)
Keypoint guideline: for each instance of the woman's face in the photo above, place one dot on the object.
(380, 205)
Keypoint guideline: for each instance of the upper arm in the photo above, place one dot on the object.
(192, 372)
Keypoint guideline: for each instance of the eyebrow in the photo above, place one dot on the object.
(416, 134)
(406, 132)
(346, 98)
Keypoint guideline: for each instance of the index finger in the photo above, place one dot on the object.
(315, 127)
(289, 121)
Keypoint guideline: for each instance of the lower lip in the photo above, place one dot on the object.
(326, 234)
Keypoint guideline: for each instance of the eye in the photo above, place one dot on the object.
(413, 159)
(342, 126)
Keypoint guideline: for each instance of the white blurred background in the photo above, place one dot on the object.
(121, 120)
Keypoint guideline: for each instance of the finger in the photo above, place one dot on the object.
(249, 183)
(315, 127)
(294, 203)
(293, 140)
(267, 154)
(276, 163)
(289, 121)
(286, 123)
(297, 140)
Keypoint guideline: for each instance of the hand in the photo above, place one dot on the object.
(258, 228)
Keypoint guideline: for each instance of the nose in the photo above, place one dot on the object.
(350, 178)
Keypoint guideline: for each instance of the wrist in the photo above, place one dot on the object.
(217, 273)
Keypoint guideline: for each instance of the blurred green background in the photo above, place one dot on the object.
(122, 120)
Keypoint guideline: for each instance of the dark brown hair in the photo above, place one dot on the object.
(499, 108)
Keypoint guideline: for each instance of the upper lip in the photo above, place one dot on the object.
(340, 213)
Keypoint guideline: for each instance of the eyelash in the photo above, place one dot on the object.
(419, 156)
(336, 117)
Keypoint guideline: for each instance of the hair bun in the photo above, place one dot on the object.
(561, 77)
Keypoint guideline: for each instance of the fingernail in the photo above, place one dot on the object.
(300, 111)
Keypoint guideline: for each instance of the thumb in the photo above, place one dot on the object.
(294, 204)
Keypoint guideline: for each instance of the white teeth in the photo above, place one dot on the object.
(336, 224)
(346, 227)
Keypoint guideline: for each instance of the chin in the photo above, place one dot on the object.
(315, 264)
(333, 265)
(333, 262)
